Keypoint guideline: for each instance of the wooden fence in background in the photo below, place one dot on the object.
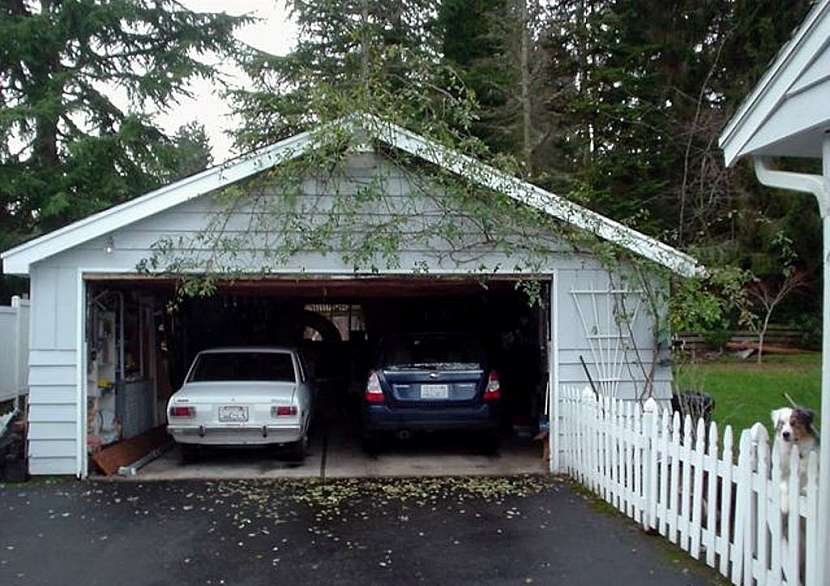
(680, 478)
(777, 336)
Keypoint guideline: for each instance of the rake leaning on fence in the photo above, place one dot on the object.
(670, 475)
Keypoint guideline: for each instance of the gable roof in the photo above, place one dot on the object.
(786, 112)
(19, 259)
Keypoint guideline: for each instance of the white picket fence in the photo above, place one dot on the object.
(677, 478)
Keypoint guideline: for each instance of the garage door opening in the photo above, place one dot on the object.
(139, 353)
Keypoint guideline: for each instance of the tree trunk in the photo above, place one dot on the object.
(581, 48)
(364, 46)
(524, 66)
(762, 334)
(44, 70)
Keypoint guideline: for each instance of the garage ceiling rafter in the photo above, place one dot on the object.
(19, 259)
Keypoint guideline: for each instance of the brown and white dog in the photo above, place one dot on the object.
(794, 427)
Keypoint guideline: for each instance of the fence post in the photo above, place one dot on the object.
(592, 443)
(696, 525)
(725, 541)
(762, 506)
(557, 438)
(685, 482)
(649, 431)
(812, 537)
(742, 560)
(606, 448)
(639, 464)
(777, 533)
(711, 540)
(674, 478)
(663, 466)
(793, 543)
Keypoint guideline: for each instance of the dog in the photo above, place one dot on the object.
(794, 427)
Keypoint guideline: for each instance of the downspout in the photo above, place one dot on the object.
(819, 186)
(803, 182)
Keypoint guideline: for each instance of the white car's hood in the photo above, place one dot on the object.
(247, 392)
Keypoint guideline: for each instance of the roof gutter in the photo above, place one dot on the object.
(802, 182)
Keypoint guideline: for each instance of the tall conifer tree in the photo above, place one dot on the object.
(68, 147)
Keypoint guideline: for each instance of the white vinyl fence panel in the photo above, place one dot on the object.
(679, 478)
(14, 349)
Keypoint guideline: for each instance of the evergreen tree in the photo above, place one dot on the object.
(627, 100)
(502, 50)
(68, 147)
(375, 55)
(191, 151)
(472, 43)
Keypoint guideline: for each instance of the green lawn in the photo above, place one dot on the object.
(746, 392)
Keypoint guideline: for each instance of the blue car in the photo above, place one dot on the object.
(431, 382)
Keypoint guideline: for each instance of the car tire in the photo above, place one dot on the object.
(189, 453)
(371, 443)
(296, 451)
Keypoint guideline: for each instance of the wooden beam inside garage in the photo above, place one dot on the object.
(330, 288)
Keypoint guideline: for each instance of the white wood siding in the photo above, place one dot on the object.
(574, 341)
(316, 204)
(53, 391)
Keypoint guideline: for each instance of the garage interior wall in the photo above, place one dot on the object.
(57, 413)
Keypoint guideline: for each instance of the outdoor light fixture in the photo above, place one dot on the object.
(110, 245)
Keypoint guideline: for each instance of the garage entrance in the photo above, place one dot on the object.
(139, 353)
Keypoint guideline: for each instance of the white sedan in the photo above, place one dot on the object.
(243, 396)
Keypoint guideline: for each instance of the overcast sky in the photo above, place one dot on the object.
(274, 33)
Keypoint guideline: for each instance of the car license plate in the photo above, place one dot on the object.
(233, 414)
(435, 391)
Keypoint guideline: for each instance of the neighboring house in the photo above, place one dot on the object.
(787, 114)
(69, 266)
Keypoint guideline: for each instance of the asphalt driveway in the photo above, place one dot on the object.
(516, 530)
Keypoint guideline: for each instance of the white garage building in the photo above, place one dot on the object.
(98, 323)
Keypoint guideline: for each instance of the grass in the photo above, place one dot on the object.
(746, 392)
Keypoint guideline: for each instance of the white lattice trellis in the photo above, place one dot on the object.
(608, 317)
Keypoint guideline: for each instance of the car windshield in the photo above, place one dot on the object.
(243, 366)
(448, 352)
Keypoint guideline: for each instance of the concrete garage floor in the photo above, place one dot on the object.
(336, 453)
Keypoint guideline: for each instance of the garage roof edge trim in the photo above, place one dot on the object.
(770, 92)
(18, 260)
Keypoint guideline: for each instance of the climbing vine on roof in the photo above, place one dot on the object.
(352, 198)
